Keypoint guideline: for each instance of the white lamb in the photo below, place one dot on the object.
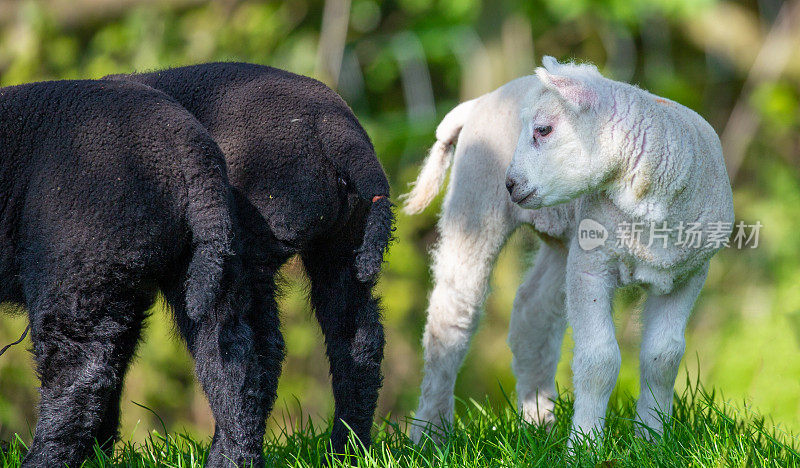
(622, 186)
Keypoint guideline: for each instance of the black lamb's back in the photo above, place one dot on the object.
(93, 164)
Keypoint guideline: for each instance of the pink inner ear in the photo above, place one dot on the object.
(574, 91)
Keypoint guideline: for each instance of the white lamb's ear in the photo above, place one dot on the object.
(575, 91)
(550, 63)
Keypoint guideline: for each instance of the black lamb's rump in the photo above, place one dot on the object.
(275, 126)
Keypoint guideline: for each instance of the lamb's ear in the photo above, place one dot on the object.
(576, 92)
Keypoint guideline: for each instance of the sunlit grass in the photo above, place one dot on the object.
(705, 432)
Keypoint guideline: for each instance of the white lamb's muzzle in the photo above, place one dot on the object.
(521, 191)
(531, 201)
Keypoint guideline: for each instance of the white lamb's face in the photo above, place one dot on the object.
(555, 160)
(551, 164)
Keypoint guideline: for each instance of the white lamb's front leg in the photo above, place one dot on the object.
(663, 344)
(596, 357)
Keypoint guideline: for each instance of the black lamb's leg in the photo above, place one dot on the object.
(260, 262)
(108, 432)
(238, 361)
(350, 319)
(83, 341)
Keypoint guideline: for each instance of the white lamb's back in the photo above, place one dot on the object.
(701, 151)
(681, 153)
(681, 163)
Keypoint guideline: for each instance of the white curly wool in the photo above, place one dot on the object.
(586, 157)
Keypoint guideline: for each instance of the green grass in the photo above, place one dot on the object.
(704, 432)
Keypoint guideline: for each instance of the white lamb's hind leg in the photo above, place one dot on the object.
(664, 323)
(535, 334)
(473, 228)
(596, 357)
(462, 265)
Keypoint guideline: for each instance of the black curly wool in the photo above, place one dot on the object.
(110, 191)
(308, 182)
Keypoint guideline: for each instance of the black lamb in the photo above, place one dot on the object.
(306, 173)
(110, 191)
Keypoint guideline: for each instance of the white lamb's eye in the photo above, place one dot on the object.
(544, 130)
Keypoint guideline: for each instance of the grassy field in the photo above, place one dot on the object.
(705, 432)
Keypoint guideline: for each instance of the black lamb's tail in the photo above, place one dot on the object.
(350, 150)
(209, 217)
(365, 172)
(377, 235)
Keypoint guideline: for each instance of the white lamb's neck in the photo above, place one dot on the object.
(647, 173)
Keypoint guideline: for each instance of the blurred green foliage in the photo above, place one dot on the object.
(404, 64)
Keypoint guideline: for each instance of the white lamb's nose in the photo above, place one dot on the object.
(510, 184)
